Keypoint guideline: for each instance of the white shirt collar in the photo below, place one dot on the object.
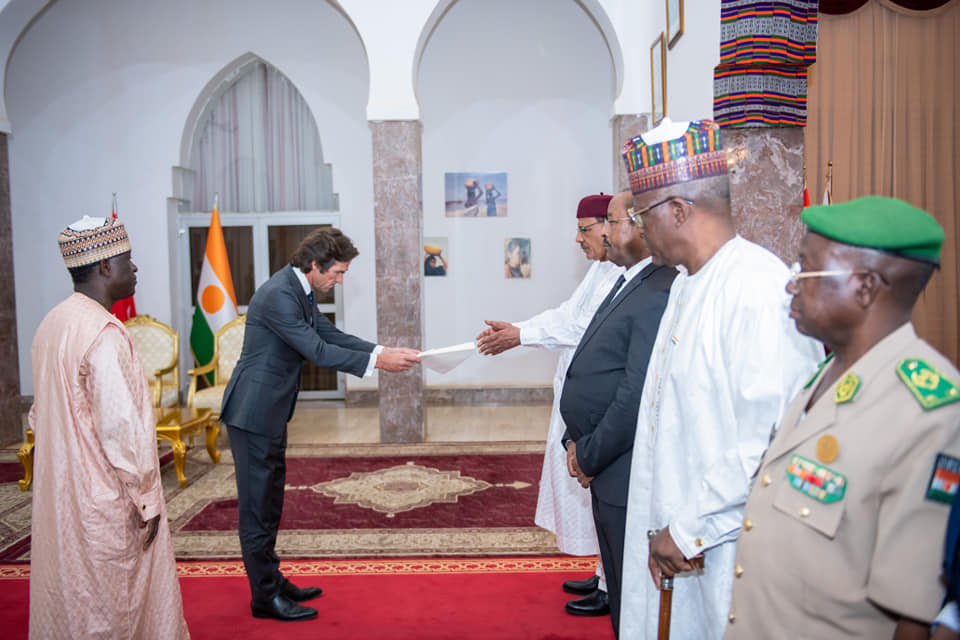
(303, 280)
(635, 269)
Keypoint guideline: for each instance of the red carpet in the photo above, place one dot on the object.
(397, 599)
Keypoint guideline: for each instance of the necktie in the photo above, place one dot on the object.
(610, 296)
(313, 307)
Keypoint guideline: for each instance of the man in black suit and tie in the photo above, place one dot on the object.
(601, 395)
(284, 328)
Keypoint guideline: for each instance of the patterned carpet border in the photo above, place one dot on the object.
(412, 449)
(234, 568)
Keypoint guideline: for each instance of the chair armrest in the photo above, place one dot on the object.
(205, 369)
(168, 369)
(196, 373)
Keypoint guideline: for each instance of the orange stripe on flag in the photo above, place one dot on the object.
(217, 255)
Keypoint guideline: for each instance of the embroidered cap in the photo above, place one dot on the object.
(594, 206)
(672, 153)
(877, 222)
(90, 240)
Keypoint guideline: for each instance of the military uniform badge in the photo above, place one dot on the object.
(927, 385)
(944, 480)
(846, 389)
(815, 480)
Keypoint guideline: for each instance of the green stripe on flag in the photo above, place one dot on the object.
(201, 341)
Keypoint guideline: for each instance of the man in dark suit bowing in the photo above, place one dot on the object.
(284, 328)
(601, 395)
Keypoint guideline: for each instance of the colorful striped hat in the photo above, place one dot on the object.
(697, 153)
(90, 240)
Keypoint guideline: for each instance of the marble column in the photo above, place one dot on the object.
(398, 215)
(625, 127)
(11, 428)
(766, 186)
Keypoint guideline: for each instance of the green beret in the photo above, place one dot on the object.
(876, 222)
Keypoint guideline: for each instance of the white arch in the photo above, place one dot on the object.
(207, 100)
(593, 8)
(16, 16)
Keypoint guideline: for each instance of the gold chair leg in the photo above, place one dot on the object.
(25, 455)
(213, 430)
(179, 459)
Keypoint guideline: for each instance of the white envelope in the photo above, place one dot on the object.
(447, 358)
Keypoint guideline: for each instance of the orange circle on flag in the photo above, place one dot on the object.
(212, 299)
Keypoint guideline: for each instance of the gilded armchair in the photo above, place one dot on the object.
(227, 344)
(158, 346)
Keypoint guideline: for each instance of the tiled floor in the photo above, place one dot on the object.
(326, 422)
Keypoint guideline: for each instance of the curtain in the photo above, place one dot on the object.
(837, 7)
(258, 147)
(884, 105)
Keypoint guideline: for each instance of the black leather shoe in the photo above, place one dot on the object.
(297, 594)
(582, 587)
(595, 604)
(282, 608)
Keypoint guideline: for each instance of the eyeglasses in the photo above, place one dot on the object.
(637, 216)
(797, 274)
(590, 226)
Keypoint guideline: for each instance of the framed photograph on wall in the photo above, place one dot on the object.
(658, 78)
(475, 194)
(674, 21)
(435, 256)
(516, 258)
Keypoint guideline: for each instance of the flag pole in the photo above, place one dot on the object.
(829, 190)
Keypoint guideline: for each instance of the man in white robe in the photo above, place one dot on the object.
(102, 563)
(726, 362)
(563, 506)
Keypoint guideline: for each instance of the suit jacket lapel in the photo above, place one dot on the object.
(598, 319)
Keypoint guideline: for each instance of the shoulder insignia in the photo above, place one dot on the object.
(816, 374)
(815, 480)
(931, 389)
(846, 388)
(944, 479)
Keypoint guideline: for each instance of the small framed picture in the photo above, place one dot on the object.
(658, 78)
(516, 258)
(475, 194)
(674, 21)
(435, 256)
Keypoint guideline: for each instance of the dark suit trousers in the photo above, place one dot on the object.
(261, 469)
(611, 524)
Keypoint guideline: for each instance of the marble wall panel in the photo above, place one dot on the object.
(398, 215)
(766, 186)
(11, 429)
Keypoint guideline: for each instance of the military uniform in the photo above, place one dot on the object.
(847, 512)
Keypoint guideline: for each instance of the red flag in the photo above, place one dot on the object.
(123, 309)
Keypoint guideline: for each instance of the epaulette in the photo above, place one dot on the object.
(928, 386)
(816, 374)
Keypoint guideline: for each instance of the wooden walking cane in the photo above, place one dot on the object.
(666, 594)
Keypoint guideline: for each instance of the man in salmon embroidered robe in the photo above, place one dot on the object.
(102, 563)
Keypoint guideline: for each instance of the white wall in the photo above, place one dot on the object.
(525, 88)
(98, 100)
(97, 95)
